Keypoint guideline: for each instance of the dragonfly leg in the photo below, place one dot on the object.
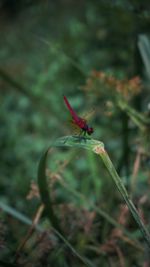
(82, 135)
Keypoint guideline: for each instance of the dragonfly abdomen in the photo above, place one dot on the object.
(81, 123)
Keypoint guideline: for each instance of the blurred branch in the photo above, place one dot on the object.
(124, 160)
(37, 102)
(30, 232)
(7, 78)
(15, 214)
(138, 118)
(144, 47)
(57, 49)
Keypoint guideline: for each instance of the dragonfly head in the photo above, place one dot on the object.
(90, 130)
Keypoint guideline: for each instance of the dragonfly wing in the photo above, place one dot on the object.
(75, 127)
(89, 115)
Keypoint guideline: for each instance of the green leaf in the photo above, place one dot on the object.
(98, 148)
(45, 192)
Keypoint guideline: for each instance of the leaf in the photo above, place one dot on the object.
(98, 148)
(45, 192)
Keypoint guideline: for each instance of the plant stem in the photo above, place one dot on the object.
(110, 167)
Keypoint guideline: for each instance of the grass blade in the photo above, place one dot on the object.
(98, 148)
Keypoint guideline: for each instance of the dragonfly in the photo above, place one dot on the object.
(78, 121)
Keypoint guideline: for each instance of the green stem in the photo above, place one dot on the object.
(140, 120)
(110, 167)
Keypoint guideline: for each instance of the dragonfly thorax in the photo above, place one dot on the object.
(88, 129)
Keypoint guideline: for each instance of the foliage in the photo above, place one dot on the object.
(96, 53)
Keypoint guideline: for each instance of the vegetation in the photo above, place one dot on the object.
(66, 207)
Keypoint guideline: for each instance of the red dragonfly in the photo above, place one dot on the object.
(79, 122)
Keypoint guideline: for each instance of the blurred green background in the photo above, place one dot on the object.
(50, 48)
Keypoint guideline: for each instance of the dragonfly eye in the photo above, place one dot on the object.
(90, 130)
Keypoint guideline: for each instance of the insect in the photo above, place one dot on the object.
(79, 122)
